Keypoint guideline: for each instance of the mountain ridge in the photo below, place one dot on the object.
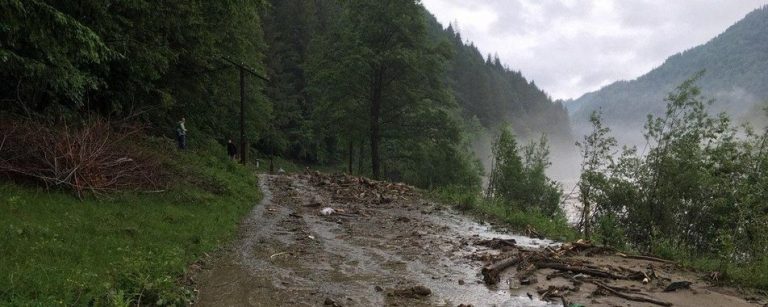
(736, 76)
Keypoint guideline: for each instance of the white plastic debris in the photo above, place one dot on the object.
(327, 211)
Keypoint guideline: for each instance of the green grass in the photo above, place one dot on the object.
(555, 228)
(58, 250)
(750, 275)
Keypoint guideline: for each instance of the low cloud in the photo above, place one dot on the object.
(570, 47)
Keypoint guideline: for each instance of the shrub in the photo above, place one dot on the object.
(91, 158)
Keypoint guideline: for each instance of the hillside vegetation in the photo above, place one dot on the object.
(131, 247)
(113, 213)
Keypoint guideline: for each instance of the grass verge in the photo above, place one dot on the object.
(131, 248)
(746, 275)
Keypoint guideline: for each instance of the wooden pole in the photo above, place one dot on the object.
(243, 149)
(243, 70)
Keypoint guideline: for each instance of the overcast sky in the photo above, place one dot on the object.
(570, 47)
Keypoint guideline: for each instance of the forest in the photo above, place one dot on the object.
(115, 119)
(68, 62)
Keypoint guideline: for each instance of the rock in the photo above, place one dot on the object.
(330, 302)
(423, 291)
(413, 292)
(461, 282)
(378, 289)
(677, 285)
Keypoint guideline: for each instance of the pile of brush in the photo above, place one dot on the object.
(93, 157)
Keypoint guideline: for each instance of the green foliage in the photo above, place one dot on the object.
(697, 192)
(322, 56)
(521, 182)
(596, 157)
(156, 60)
(468, 200)
(47, 50)
(130, 248)
(375, 59)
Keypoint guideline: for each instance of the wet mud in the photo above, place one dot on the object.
(379, 249)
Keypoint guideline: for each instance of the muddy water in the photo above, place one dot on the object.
(289, 255)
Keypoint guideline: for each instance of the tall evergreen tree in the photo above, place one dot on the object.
(384, 62)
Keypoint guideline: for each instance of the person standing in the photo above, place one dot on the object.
(231, 149)
(181, 134)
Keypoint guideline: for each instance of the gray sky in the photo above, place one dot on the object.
(570, 47)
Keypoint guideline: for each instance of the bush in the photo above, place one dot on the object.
(90, 158)
(519, 180)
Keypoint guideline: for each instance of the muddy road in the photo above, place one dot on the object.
(383, 245)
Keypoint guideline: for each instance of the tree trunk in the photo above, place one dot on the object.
(350, 152)
(376, 125)
(491, 272)
(585, 220)
(360, 159)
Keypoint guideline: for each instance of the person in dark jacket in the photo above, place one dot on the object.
(231, 149)
(181, 134)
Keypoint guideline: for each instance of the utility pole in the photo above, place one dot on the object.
(243, 69)
(243, 148)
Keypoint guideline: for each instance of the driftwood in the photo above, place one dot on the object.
(491, 272)
(641, 257)
(617, 289)
(630, 297)
(578, 269)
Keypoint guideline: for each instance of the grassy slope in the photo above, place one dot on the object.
(57, 250)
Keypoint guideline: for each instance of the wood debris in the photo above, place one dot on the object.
(578, 270)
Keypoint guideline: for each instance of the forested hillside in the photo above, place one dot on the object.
(735, 65)
(120, 186)
(152, 62)
(493, 93)
(383, 96)
(470, 94)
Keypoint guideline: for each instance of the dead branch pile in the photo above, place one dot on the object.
(577, 270)
(361, 190)
(93, 158)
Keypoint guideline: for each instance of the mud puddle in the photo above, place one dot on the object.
(383, 246)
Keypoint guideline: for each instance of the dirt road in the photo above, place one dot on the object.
(383, 246)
